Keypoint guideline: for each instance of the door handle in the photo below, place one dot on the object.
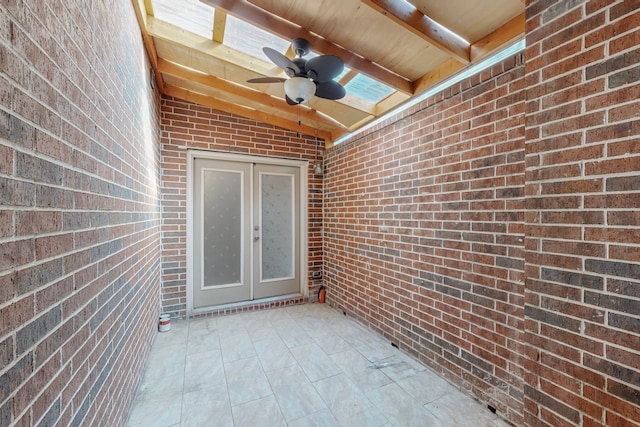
(256, 238)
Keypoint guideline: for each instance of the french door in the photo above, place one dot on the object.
(246, 231)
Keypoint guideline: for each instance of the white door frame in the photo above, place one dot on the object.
(303, 165)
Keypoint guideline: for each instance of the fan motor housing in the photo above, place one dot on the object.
(301, 46)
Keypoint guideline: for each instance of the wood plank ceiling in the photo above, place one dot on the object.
(400, 48)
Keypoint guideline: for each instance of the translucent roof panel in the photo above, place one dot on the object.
(191, 15)
(368, 89)
(342, 74)
(250, 39)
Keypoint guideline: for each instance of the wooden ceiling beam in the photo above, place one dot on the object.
(276, 25)
(219, 25)
(479, 50)
(421, 25)
(142, 14)
(390, 102)
(437, 75)
(248, 113)
(498, 38)
(251, 95)
(148, 5)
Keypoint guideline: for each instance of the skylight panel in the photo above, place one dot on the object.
(342, 74)
(247, 38)
(368, 89)
(190, 15)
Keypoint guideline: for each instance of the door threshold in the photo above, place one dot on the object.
(246, 306)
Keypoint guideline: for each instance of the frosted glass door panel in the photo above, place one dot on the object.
(222, 228)
(277, 233)
(277, 226)
(221, 232)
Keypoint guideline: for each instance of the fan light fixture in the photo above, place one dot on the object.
(299, 89)
(307, 78)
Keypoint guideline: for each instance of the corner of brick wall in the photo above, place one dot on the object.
(79, 212)
(424, 233)
(186, 125)
(583, 227)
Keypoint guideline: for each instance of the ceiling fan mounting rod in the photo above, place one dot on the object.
(301, 47)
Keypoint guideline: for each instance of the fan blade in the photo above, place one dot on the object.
(330, 90)
(281, 61)
(266, 80)
(290, 101)
(325, 67)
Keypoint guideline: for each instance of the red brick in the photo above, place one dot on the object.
(17, 253)
(614, 405)
(16, 314)
(52, 246)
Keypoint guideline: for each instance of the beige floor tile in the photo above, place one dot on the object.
(426, 386)
(322, 418)
(295, 394)
(243, 368)
(203, 370)
(246, 389)
(231, 325)
(458, 409)
(163, 412)
(347, 404)
(373, 348)
(208, 406)
(292, 334)
(400, 408)
(246, 381)
(264, 331)
(270, 347)
(297, 366)
(202, 342)
(331, 343)
(278, 361)
(315, 363)
(311, 324)
(255, 319)
(236, 347)
(161, 387)
(399, 366)
(263, 412)
(365, 375)
(177, 335)
(207, 324)
(166, 361)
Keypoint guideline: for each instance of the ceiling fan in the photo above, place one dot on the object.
(306, 77)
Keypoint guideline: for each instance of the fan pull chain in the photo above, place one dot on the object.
(299, 122)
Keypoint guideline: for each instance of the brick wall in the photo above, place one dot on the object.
(190, 126)
(583, 227)
(492, 230)
(79, 214)
(424, 223)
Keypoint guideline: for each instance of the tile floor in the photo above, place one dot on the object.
(305, 365)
